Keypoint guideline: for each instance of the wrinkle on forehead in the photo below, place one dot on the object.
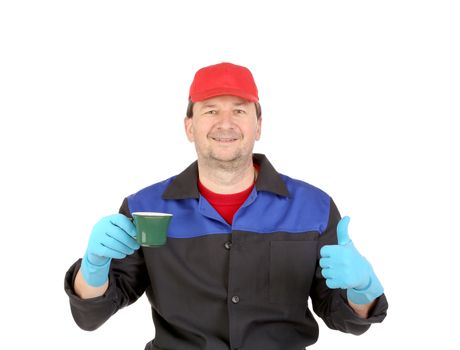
(236, 104)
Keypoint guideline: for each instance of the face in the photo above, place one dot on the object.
(224, 129)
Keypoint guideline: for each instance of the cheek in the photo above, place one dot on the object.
(200, 132)
(254, 131)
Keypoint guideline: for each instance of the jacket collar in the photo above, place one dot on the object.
(185, 185)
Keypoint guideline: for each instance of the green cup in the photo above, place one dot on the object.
(151, 228)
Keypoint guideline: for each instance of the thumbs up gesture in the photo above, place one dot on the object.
(344, 267)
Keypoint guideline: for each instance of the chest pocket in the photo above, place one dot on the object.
(292, 269)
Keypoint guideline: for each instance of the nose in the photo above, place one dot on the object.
(225, 119)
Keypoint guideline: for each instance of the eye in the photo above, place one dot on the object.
(211, 112)
(240, 111)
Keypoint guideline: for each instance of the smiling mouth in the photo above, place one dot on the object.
(225, 140)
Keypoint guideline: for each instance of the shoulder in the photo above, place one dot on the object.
(153, 190)
(299, 188)
(309, 201)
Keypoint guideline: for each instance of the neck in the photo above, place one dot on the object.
(227, 180)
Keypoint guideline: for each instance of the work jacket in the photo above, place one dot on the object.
(220, 286)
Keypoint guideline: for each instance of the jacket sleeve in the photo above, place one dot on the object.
(331, 304)
(128, 280)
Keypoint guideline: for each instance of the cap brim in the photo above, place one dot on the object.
(221, 92)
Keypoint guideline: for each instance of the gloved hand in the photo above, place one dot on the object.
(112, 238)
(343, 267)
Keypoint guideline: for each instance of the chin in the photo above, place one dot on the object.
(225, 157)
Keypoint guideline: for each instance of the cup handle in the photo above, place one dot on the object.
(132, 220)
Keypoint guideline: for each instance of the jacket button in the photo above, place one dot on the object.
(228, 245)
(235, 299)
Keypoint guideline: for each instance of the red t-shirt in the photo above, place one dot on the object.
(225, 204)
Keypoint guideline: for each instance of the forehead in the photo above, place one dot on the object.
(222, 100)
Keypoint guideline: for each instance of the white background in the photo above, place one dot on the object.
(359, 98)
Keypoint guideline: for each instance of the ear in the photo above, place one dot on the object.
(188, 125)
(259, 128)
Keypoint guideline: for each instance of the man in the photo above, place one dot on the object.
(246, 247)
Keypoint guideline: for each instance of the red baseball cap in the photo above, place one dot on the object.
(223, 79)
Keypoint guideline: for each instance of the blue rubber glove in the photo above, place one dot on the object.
(343, 267)
(112, 238)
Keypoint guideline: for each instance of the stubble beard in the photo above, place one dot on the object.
(231, 164)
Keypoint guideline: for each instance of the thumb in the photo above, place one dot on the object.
(342, 231)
